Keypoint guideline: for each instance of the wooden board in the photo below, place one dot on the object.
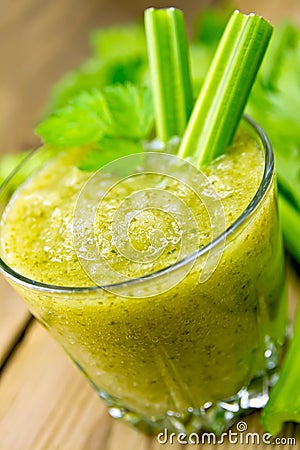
(14, 318)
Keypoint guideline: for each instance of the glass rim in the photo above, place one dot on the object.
(248, 211)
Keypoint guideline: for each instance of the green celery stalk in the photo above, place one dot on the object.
(170, 72)
(226, 88)
(290, 225)
(284, 403)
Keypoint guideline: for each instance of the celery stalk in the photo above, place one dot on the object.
(284, 403)
(290, 225)
(226, 88)
(170, 72)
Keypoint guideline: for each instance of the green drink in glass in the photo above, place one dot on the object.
(164, 349)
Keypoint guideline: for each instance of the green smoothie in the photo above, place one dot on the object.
(193, 344)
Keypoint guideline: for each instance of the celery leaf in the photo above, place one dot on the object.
(120, 111)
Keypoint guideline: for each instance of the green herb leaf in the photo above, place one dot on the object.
(123, 111)
(95, 73)
(201, 57)
(285, 37)
(79, 123)
(132, 111)
(209, 26)
(227, 86)
(107, 42)
(111, 63)
(107, 150)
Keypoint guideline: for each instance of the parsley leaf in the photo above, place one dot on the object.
(95, 73)
(106, 42)
(78, 123)
(110, 63)
(132, 111)
(108, 149)
(120, 111)
(113, 121)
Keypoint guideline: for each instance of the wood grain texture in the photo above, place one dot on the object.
(32, 415)
(14, 317)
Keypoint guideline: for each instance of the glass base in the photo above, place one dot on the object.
(211, 417)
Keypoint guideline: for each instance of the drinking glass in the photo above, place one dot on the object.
(194, 356)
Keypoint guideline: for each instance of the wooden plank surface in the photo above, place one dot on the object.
(45, 403)
(14, 318)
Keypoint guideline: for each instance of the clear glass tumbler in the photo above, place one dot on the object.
(195, 356)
